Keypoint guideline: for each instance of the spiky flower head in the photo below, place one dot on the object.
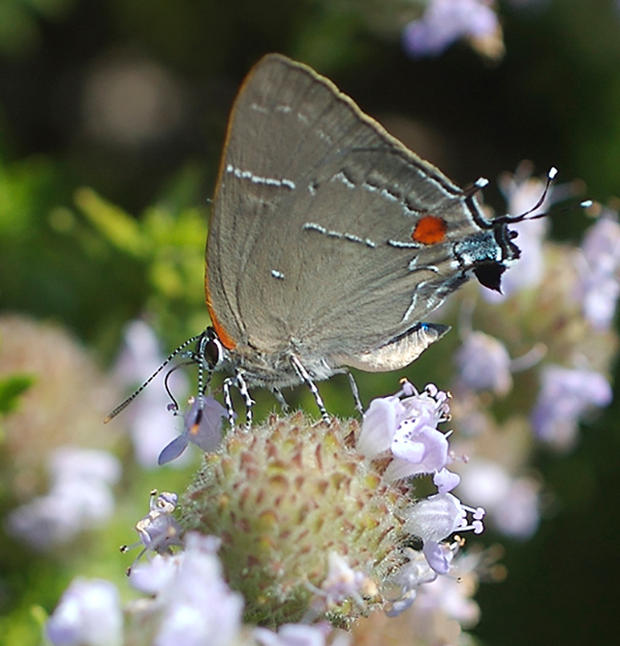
(315, 519)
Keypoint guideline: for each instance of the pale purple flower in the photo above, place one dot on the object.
(599, 272)
(404, 425)
(565, 395)
(512, 504)
(451, 596)
(408, 579)
(417, 448)
(148, 415)
(445, 21)
(80, 498)
(438, 555)
(385, 415)
(154, 575)
(88, 614)
(437, 517)
(202, 425)
(484, 364)
(75, 463)
(341, 581)
(293, 635)
(446, 480)
(159, 529)
(194, 604)
(379, 425)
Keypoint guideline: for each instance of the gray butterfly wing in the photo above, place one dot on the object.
(310, 245)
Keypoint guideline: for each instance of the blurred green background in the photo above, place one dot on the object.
(112, 117)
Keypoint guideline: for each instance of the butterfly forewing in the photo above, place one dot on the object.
(310, 241)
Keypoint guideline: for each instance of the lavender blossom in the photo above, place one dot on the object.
(599, 272)
(295, 635)
(437, 517)
(407, 429)
(192, 601)
(80, 498)
(202, 425)
(451, 596)
(512, 504)
(342, 582)
(408, 579)
(149, 419)
(444, 605)
(445, 21)
(565, 395)
(159, 529)
(88, 614)
(484, 364)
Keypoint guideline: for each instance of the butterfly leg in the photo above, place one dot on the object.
(307, 379)
(277, 393)
(228, 382)
(355, 391)
(247, 398)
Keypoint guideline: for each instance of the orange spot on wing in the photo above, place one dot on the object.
(225, 339)
(430, 229)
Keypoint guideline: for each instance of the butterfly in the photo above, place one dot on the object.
(330, 242)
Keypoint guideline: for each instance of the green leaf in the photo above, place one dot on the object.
(10, 390)
(115, 224)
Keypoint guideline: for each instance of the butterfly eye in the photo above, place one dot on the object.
(213, 352)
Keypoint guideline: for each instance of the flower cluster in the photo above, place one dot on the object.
(311, 522)
(294, 489)
(556, 311)
(80, 498)
(296, 527)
